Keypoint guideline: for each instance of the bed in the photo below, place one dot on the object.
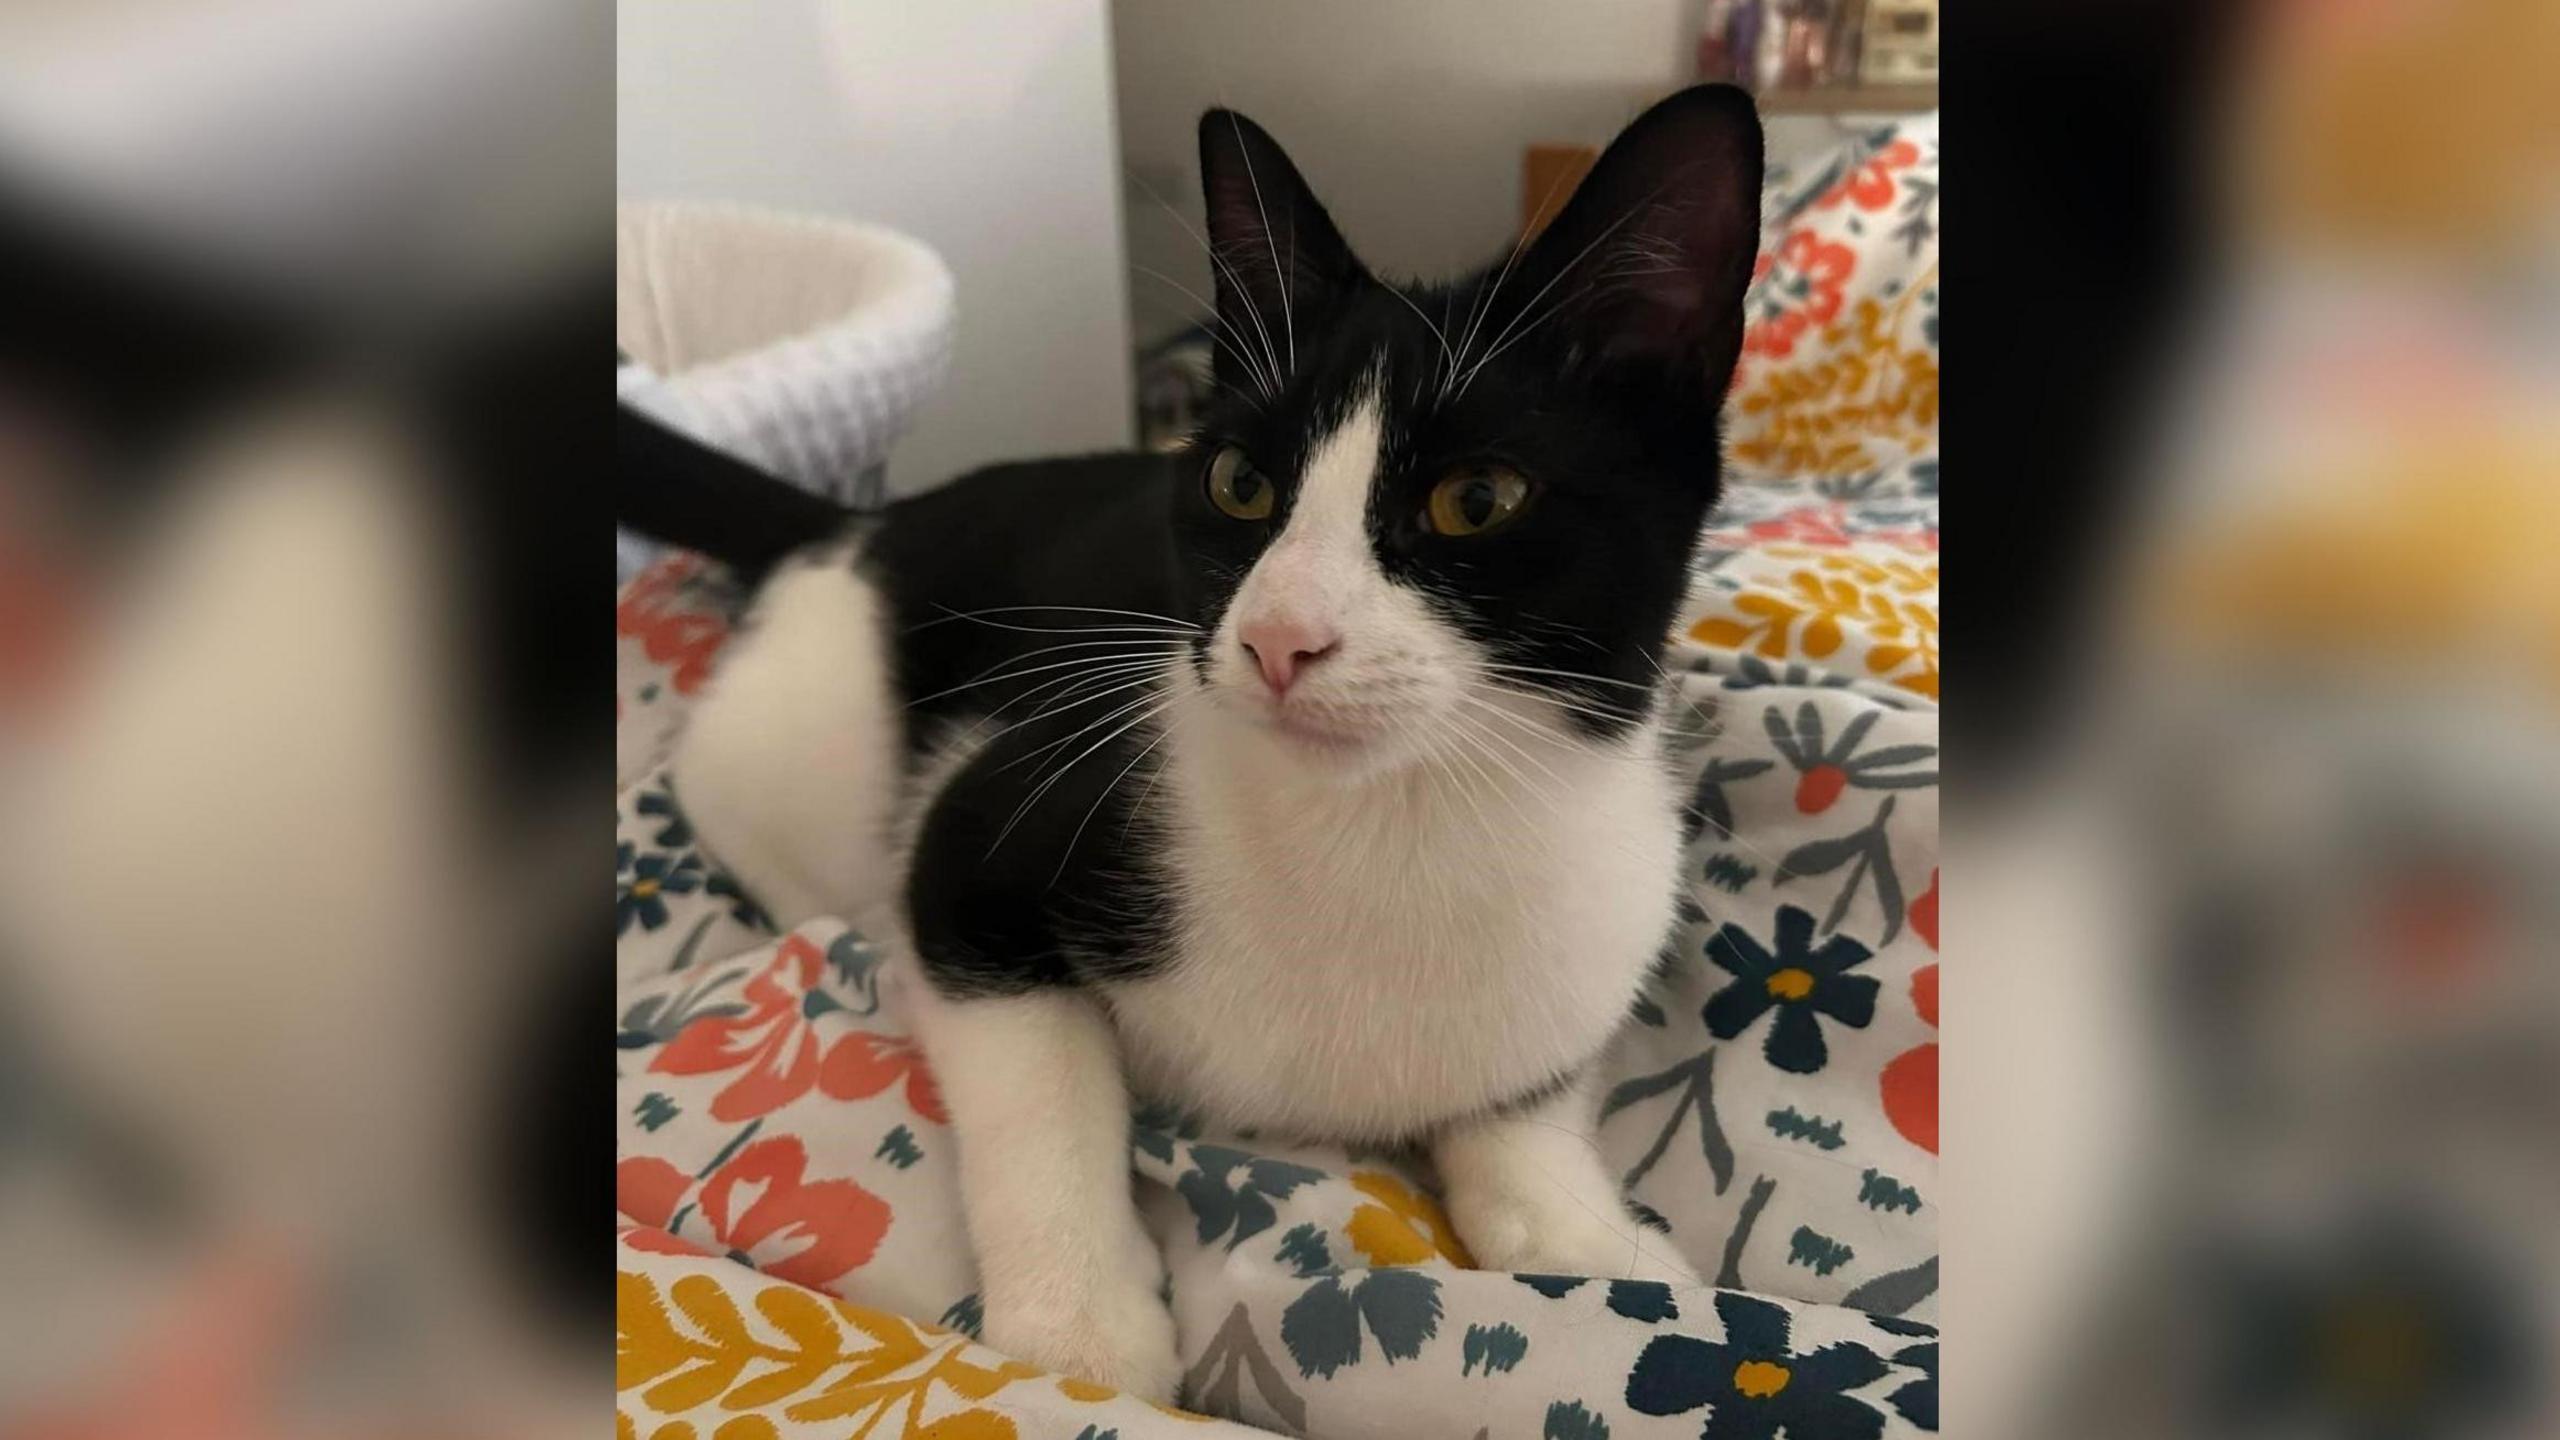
(791, 1258)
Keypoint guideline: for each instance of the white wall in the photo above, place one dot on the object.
(1408, 118)
(983, 127)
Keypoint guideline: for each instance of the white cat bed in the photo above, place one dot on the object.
(800, 344)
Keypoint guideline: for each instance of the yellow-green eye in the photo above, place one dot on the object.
(1237, 488)
(1470, 502)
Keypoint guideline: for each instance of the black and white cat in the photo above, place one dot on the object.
(1314, 777)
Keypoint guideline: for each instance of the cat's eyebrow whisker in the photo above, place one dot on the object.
(1562, 302)
(1262, 382)
(1215, 259)
(1519, 244)
(1286, 318)
(1425, 319)
(1252, 312)
(1447, 298)
(1500, 343)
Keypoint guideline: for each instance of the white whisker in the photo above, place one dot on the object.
(1278, 273)
(1069, 853)
(1221, 262)
(949, 615)
(1268, 385)
(1061, 772)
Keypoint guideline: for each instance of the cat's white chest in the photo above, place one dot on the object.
(1369, 967)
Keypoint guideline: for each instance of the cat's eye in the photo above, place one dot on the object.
(1471, 502)
(1237, 488)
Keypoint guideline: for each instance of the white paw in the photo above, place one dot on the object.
(1117, 1333)
(1550, 1235)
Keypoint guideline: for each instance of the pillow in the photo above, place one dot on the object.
(1839, 372)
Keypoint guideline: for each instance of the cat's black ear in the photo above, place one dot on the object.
(1647, 263)
(1278, 261)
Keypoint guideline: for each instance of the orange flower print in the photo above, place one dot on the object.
(781, 1054)
(648, 1190)
(775, 1046)
(1869, 185)
(652, 610)
(863, 1065)
(808, 1232)
(1801, 286)
(650, 1239)
(1910, 1080)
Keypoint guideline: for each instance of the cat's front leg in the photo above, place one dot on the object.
(1069, 1278)
(1528, 1191)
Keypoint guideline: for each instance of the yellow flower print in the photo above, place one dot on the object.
(1890, 604)
(1815, 418)
(1902, 576)
(1911, 632)
(693, 1347)
(1829, 604)
(745, 1427)
(1405, 1227)
(966, 1425)
(1772, 619)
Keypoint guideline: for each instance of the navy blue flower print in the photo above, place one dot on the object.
(1754, 1385)
(641, 895)
(1917, 1402)
(674, 831)
(1798, 980)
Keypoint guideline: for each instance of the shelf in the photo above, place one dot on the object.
(1849, 100)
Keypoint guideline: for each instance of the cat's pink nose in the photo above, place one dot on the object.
(1283, 648)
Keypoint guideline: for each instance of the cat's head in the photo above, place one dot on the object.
(1410, 503)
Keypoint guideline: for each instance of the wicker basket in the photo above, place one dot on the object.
(800, 344)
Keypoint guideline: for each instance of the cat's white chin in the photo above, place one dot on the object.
(1323, 747)
(1320, 735)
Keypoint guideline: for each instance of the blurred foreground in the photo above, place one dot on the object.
(2255, 1087)
(291, 808)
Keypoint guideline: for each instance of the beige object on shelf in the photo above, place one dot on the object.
(1900, 46)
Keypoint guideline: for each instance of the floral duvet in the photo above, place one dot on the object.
(791, 1256)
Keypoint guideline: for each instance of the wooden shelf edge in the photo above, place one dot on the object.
(1849, 100)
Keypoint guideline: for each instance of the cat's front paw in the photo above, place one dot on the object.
(1118, 1334)
(1533, 1234)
